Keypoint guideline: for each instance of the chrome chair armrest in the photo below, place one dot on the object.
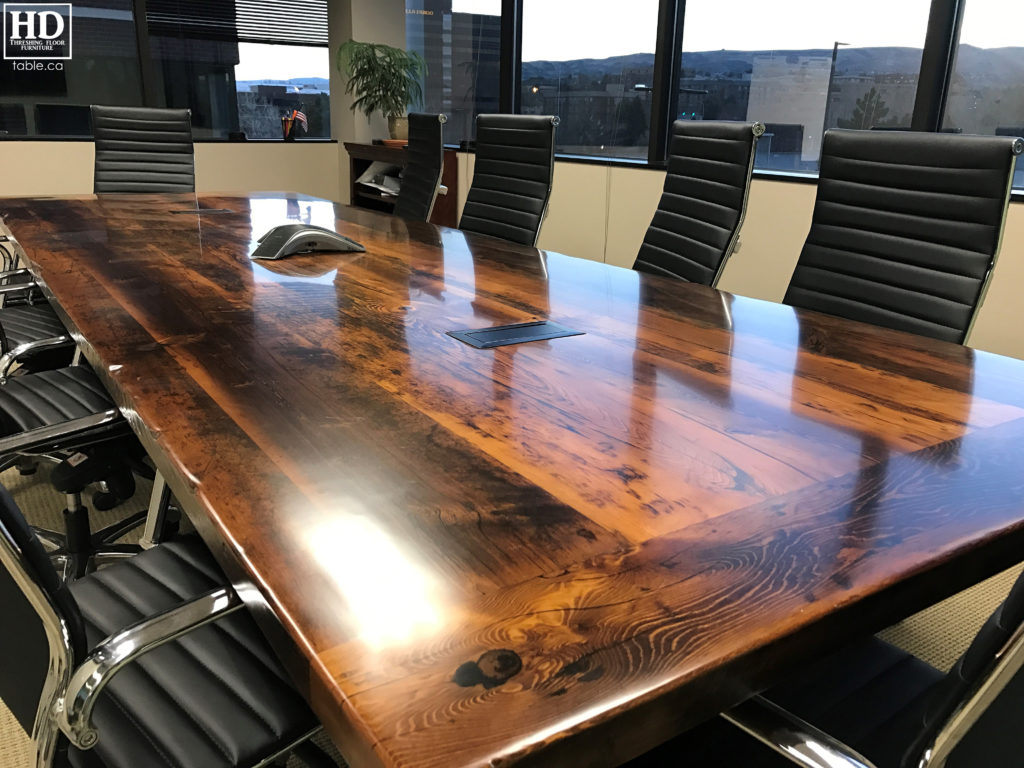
(7, 274)
(74, 709)
(51, 437)
(17, 287)
(798, 741)
(20, 351)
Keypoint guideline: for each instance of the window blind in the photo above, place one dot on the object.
(296, 22)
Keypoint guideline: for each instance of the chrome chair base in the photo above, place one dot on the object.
(77, 551)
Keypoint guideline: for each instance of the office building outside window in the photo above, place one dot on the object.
(51, 97)
(844, 65)
(242, 65)
(238, 65)
(986, 94)
(460, 41)
(591, 62)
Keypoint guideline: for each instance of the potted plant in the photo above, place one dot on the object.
(383, 79)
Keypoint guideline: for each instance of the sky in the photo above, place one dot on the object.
(599, 28)
(560, 30)
(281, 62)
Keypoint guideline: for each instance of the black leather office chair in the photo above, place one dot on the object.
(515, 161)
(874, 705)
(151, 661)
(137, 150)
(421, 179)
(906, 229)
(32, 337)
(65, 415)
(697, 224)
(33, 334)
(141, 149)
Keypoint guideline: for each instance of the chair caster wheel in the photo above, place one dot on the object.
(26, 471)
(104, 500)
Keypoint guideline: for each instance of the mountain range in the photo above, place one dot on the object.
(320, 83)
(991, 64)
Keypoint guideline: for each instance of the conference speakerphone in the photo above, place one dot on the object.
(287, 239)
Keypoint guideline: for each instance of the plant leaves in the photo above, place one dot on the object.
(383, 78)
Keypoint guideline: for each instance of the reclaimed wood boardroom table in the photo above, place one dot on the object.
(553, 553)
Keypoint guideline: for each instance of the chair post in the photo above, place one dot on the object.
(1015, 150)
(555, 121)
(757, 131)
(1008, 663)
(45, 733)
(156, 518)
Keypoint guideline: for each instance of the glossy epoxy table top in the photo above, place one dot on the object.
(556, 553)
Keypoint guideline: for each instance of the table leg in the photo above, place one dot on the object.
(156, 519)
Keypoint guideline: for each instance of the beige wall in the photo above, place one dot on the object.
(32, 168)
(601, 213)
(368, 21)
(243, 167)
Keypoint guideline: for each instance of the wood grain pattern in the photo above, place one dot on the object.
(558, 553)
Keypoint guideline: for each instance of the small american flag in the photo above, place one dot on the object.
(301, 117)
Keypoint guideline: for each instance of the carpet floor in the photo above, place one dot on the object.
(938, 635)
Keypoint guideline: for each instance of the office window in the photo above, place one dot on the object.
(591, 62)
(51, 97)
(271, 80)
(241, 65)
(801, 70)
(985, 94)
(460, 41)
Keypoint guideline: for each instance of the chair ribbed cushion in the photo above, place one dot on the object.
(216, 698)
(703, 201)
(425, 155)
(30, 322)
(905, 228)
(140, 149)
(50, 397)
(511, 177)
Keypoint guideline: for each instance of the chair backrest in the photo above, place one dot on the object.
(42, 628)
(698, 220)
(422, 175)
(515, 160)
(974, 714)
(140, 149)
(906, 229)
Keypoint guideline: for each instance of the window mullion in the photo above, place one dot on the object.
(665, 85)
(511, 70)
(937, 62)
(150, 92)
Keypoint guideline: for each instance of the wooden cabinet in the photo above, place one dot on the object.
(360, 156)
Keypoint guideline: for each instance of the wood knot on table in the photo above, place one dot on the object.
(491, 670)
